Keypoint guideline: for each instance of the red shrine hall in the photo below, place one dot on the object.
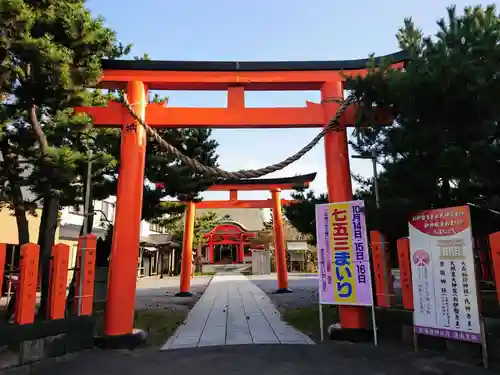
(227, 243)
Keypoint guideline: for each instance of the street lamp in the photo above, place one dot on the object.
(373, 158)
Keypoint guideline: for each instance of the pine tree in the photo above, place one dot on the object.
(443, 147)
(50, 53)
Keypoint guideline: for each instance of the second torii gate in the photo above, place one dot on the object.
(275, 186)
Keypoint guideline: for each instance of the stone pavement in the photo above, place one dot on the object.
(234, 311)
(328, 358)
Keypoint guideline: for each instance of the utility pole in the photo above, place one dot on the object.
(373, 158)
(86, 229)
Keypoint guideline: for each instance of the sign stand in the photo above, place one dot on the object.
(321, 326)
(441, 251)
(484, 346)
(415, 336)
(374, 323)
(344, 271)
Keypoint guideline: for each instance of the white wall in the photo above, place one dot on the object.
(71, 216)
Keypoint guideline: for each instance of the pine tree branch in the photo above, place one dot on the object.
(35, 124)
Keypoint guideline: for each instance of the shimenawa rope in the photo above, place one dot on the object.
(333, 125)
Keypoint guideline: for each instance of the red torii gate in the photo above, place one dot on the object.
(275, 186)
(137, 77)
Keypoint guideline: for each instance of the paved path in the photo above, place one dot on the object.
(234, 311)
(329, 358)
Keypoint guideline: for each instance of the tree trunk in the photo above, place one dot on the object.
(23, 236)
(46, 236)
(16, 195)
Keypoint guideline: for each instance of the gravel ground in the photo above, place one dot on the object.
(304, 289)
(154, 293)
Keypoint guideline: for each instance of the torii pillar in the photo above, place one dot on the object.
(279, 244)
(338, 177)
(120, 306)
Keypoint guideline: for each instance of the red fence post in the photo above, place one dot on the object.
(28, 280)
(405, 272)
(495, 260)
(88, 244)
(58, 281)
(384, 290)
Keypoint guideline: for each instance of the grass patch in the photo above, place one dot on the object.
(204, 273)
(160, 324)
(306, 319)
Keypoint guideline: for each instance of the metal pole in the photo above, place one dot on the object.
(375, 178)
(11, 272)
(321, 324)
(85, 225)
(374, 323)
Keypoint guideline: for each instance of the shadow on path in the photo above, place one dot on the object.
(331, 358)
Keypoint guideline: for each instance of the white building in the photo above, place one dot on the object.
(71, 224)
(72, 220)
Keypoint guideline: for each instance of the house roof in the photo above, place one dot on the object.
(158, 240)
(251, 219)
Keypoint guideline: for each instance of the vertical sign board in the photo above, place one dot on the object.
(443, 274)
(343, 259)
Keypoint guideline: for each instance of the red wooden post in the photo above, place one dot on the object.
(187, 252)
(241, 250)
(405, 272)
(3, 254)
(384, 290)
(88, 243)
(28, 280)
(495, 260)
(279, 243)
(58, 281)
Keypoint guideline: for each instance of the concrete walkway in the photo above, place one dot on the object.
(233, 311)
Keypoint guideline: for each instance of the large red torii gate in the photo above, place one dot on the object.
(137, 77)
(273, 185)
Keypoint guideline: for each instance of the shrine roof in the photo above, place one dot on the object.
(288, 183)
(251, 219)
(246, 66)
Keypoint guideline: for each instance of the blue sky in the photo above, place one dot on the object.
(265, 30)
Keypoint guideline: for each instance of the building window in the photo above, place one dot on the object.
(158, 228)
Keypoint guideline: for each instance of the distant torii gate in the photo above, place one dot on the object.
(139, 76)
(275, 186)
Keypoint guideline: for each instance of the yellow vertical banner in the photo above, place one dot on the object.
(344, 281)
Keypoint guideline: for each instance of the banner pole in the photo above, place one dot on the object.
(321, 326)
(415, 337)
(374, 323)
(484, 346)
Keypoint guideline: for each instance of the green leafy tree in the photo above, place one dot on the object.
(302, 214)
(444, 145)
(167, 177)
(202, 224)
(50, 52)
